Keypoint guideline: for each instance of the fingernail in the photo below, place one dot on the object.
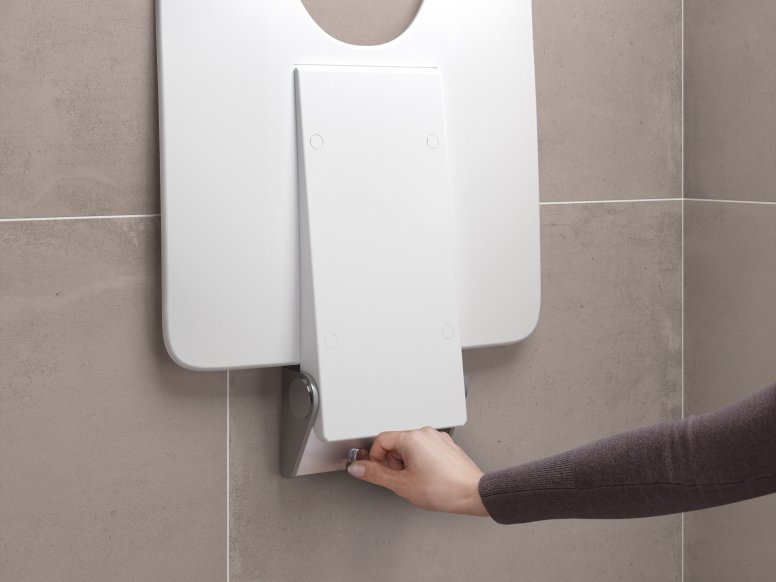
(357, 470)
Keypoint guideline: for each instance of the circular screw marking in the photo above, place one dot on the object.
(316, 142)
(448, 331)
(432, 141)
(331, 341)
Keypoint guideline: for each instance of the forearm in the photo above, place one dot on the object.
(683, 465)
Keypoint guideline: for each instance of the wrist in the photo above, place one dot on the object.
(475, 505)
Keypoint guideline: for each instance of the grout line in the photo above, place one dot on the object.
(55, 218)
(570, 202)
(682, 537)
(682, 200)
(682, 245)
(731, 201)
(681, 108)
(682, 256)
(228, 488)
(607, 201)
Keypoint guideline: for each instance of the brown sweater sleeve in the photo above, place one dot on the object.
(683, 465)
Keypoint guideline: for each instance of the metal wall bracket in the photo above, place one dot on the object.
(299, 410)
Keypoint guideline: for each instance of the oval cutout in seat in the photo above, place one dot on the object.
(363, 22)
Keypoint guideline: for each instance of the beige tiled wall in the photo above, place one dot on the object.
(730, 255)
(730, 99)
(730, 335)
(113, 461)
(609, 92)
(78, 95)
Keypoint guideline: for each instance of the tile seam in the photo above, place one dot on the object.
(58, 218)
(721, 201)
(553, 203)
(647, 200)
(228, 478)
(616, 201)
(683, 348)
(683, 191)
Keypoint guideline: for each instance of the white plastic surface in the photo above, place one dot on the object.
(229, 175)
(380, 330)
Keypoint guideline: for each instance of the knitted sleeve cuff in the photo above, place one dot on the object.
(531, 492)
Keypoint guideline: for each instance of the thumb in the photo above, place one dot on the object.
(374, 472)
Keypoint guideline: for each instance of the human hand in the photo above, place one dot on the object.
(426, 468)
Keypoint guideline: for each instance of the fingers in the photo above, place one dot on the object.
(375, 473)
(387, 442)
(394, 461)
(426, 468)
(392, 447)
